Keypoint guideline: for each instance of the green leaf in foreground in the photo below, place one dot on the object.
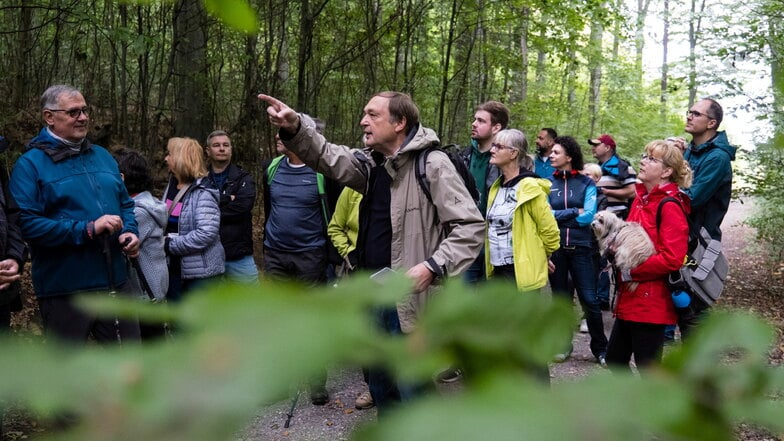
(235, 13)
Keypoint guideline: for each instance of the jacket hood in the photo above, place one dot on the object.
(531, 187)
(153, 207)
(54, 148)
(420, 139)
(719, 141)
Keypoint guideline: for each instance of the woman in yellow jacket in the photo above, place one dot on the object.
(343, 228)
(521, 230)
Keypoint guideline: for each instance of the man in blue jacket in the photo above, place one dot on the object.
(77, 218)
(709, 155)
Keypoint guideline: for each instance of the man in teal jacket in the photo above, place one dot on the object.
(709, 155)
(77, 218)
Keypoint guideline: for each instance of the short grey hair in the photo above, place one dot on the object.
(216, 133)
(52, 94)
(516, 139)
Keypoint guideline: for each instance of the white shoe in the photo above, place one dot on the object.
(584, 326)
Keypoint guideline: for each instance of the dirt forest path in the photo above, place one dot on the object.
(749, 288)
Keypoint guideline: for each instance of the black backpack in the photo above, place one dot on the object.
(460, 166)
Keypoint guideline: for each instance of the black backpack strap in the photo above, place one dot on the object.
(661, 206)
(421, 172)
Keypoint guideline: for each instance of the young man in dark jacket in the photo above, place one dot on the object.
(237, 198)
(490, 118)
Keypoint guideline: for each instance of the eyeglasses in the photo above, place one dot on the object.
(650, 158)
(697, 114)
(73, 113)
(501, 147)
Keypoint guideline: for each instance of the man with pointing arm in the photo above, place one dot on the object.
(397, 222)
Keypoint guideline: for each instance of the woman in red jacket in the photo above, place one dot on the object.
(642, 314)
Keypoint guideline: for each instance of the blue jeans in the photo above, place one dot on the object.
(476, 272)
(386, 391)
(602, 280)
(242, 270)
(578, 262)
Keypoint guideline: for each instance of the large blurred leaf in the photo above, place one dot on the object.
(235, 13)
(236, 348)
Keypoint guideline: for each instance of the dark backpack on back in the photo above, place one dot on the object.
(454, 157)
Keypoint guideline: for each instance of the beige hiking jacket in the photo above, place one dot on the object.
(447, 248)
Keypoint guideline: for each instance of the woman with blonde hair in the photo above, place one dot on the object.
(192, 242)
(642, 313)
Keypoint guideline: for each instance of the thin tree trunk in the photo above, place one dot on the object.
(595, 65)
(664, 66)
(639, 35)
(695, 21)
(525, 18)
(445, 69)
(123, 128)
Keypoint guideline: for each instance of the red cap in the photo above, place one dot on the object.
(604, 139)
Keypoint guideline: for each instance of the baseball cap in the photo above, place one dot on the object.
(604, 139)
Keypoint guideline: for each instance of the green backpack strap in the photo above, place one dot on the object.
(272, 168)
(322, 191)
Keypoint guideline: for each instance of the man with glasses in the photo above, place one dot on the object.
(237, 197)
(709, 155)
(77, 218)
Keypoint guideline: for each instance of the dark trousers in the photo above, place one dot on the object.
(386, 391)
(64, 320)
(688, 318)
(307, 266)
(643, 340)
(578, 262)
(476, 272)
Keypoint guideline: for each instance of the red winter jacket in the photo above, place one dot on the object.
(651, 302)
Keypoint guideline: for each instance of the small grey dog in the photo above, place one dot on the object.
(627, 242)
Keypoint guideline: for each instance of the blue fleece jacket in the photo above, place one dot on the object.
(60, 190)
(712, 185)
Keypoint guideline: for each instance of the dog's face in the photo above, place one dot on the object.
(604, 223)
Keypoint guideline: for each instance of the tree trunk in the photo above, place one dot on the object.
(639, 35)
(664, 66)
(541, 55)
(122, 118)
(695, 21)
(191, 91)
(595, 66)
(445, 68)
(525, 18)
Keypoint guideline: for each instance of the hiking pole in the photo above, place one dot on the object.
(291, 410)
(107, 252)
(145, 285)
(142, 279)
